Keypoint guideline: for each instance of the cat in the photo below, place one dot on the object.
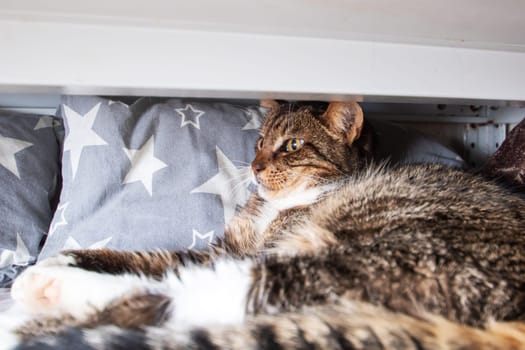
(329, 252)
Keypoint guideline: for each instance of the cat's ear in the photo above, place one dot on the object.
(344, 118)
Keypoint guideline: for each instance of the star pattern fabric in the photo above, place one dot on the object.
(60, 213)
(256, 119)
(81, 134)
(143, 165)
(135, 192)
(8, 148)
(20, 256)
(230, 183)
(190, 116)
(46, 121)
(198, 237)
(72, 244)
(29, 169)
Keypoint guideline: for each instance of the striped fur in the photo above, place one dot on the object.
(354, 326)
(333, 253)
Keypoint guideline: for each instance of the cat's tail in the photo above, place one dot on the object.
(351, 326)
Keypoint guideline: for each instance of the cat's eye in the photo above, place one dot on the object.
(292, 145)
(260, 143)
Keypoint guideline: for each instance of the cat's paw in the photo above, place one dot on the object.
(38, 288)
(39, 291)
(52, 288)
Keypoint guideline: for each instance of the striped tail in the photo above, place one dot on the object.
(344, 325)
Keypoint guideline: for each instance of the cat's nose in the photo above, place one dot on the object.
(257, 167)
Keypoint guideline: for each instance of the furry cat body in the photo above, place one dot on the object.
(329, 253)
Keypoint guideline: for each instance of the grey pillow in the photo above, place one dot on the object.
(155, 174)
(29, 172)
(401, 145)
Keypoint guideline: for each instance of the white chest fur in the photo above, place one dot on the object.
(273, 206)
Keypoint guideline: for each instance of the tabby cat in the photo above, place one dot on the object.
(330, 252)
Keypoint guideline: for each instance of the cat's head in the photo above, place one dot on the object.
(301, 148)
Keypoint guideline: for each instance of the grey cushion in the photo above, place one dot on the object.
(401, 145)
(155, 174)
(29, 171)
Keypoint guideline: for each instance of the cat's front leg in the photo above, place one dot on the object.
(50, 296)
(147, 263)
(51, 288)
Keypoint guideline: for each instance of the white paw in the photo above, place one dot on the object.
(52, 289)
(38, 290)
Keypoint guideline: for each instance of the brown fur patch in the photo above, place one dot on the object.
(135, 311)
(153, 263)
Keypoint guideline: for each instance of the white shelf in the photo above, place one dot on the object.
(331, 49)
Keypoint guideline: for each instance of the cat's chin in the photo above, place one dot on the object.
(265, 193)
(271, 195)
(296, 197)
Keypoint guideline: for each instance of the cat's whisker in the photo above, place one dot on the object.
(240, 167)
(243, 184)
(248, 164)
(245, 173)
(311, 176)
(241, 181)
(239, 186)
(308, 176)
(232, 180)
(238, 183)
(238, 177)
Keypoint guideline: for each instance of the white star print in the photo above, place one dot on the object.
(231, 184)
(80, 134)
(256, 119)
(143, 165)
(72, 243)
(62, 209)
(188, 118)
(20, 256)
(46, 122)
(8, 148)
(200, 236)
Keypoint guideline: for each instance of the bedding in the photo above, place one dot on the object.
(157, 173)
(399, 144)
(169, 173)
(153, 174)
(29, 179)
